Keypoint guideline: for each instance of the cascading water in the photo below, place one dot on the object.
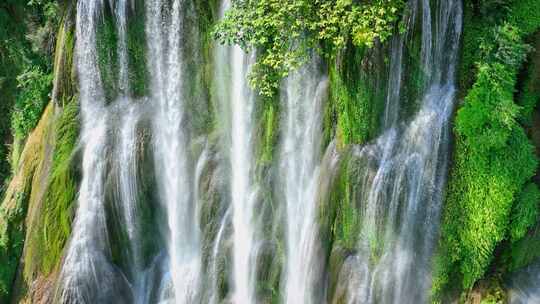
(238, 100)
(165, 51)
(525, 285)
(127, 201)
(300, 157)
(403, 176)
(112, 128)
(86, 275)
(121, 11)
(126, 154)
(402, 173)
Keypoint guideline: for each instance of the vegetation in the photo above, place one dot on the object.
(35, 87)
(12, 232)
(52, 228)
(490, 224)
(26, 45)
(17, 201)
(491, 203)
(355, 102)
(285, 32)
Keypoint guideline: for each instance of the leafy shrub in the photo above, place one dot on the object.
(34, 86)
(525, 212)
(284, 31)
(12, 232)
(493, 161)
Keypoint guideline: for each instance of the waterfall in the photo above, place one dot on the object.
(129, 113)
(300, 157)
(524, 285)
(127, 166)
(110, 140)
(86, 275)
(401, 173)
(172, 159)
(238, 101)
(121, 26)
(403, 176)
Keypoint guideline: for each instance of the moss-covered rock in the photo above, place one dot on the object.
(357, 94)
(22, 193)
(50, 220)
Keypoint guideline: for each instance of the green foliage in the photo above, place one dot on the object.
(480, 17)
(525, 250)
(525, 213)
(525, 14)
(493, 161)
(270, 128)
(136, 45)
(283, 31)
(26, 45)
(12, 230)
(354, 107)
(34, 86)
(51, 231)
(107, 55)
(530, 94)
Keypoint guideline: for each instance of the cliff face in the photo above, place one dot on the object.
(37, 205)
(489, 207)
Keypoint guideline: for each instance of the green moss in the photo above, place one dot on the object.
(494, 159)
(474, 29)
(270, 130)
(356, 101)
(525, 14)
(16, 203)
(346, 224)
(525, 211)
(136, 48)
(53, 225)
(528, 95)
(12, 231)
(64, 84)
(107, 55)
(62, 188)
(480, 17)
(525, 251)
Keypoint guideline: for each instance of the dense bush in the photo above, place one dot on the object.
(525, 213)
(494, 159)
(26, 45)
(11, 243)
(284, 31)
(34, 89)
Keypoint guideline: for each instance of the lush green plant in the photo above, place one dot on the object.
(284, 32)
(493, 161)
(35, 87)
(12, 232)
(525, 250)
(26, 45)
(51, 231)
(525, 213)
(525, 14)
